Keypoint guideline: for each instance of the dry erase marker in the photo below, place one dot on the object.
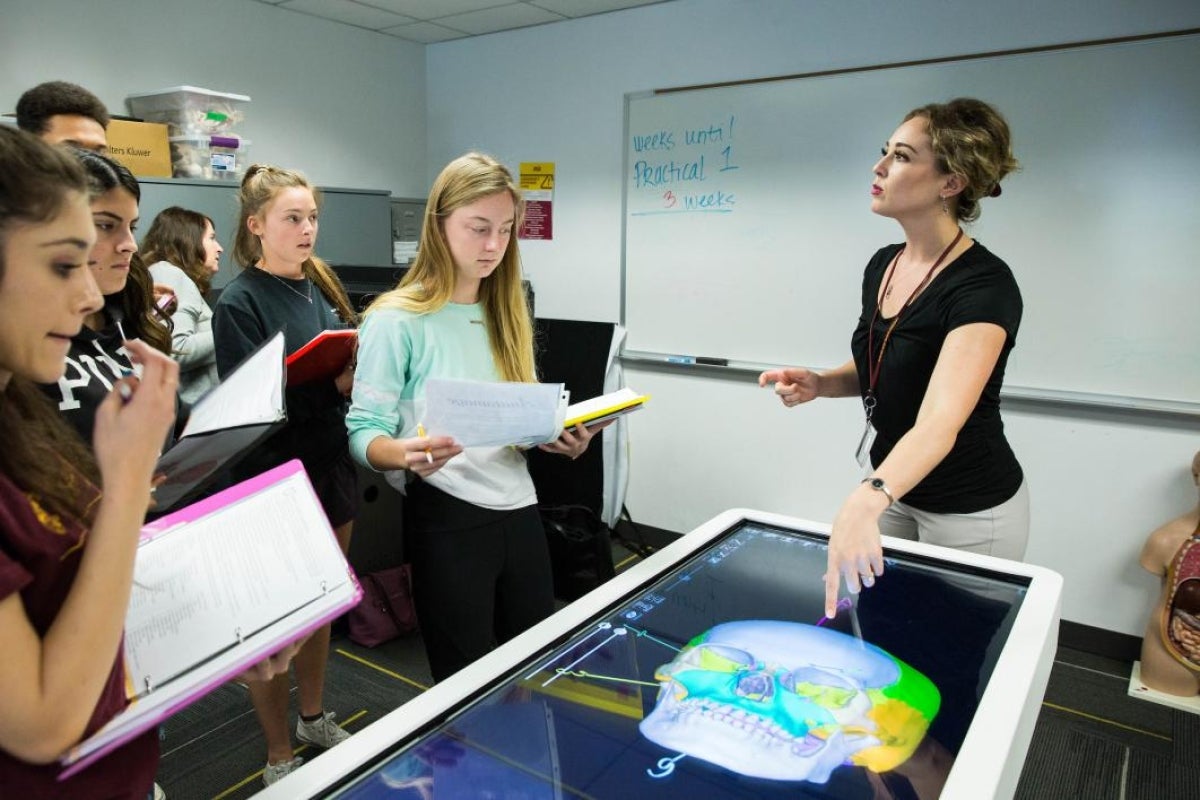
(421, 433)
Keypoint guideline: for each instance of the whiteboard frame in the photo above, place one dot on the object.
(751, 369)
(671, 361)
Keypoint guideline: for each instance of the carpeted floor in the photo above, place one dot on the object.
(215, 748)
(1094, 742)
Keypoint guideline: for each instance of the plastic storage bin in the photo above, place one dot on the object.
(209, 157)
(190, 111)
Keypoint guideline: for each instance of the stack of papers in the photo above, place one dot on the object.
(481, 414)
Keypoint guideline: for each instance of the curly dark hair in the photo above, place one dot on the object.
(39, 104)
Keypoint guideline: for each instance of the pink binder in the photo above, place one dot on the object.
(155, 704)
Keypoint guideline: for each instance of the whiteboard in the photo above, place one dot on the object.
(747, 223)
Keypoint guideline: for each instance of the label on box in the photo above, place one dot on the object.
(224, 162)
(141, 147)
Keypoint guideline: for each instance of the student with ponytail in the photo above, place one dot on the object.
(283, 286)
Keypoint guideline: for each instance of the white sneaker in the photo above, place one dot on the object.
(159, 794)
(273, 772)
(322, 732)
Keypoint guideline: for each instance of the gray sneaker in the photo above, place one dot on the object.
(322, 732)
(273, 772)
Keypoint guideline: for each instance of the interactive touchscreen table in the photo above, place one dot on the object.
(709, 671)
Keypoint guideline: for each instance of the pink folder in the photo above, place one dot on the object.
(339, 591)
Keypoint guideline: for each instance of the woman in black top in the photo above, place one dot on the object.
(939, 318)
(284, 286)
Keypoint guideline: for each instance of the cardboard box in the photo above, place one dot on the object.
(140, 146)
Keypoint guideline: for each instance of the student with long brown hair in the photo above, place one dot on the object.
(284, 286)
(182, 250)
(69, 514)
(481, 568)
(99, 358)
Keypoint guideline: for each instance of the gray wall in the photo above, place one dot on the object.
(346, 106)
(1100, 481)
(354, 228)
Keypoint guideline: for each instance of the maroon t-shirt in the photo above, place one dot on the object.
(39, 557)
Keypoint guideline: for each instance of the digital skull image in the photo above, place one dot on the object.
(789, 701)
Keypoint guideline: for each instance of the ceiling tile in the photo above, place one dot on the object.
(503, 18)
(424, 32)
(452, 19)
(584, 8)
(432, 9)
(348, 11)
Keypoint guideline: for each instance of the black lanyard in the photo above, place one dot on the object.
(874, 364)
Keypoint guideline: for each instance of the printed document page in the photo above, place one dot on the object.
(232, 574)
(251, 394)
(219, 586)
(482, 414)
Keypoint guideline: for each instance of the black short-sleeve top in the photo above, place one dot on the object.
(981, 470)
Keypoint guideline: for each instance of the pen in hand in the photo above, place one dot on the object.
(428, 453)
(124, 389)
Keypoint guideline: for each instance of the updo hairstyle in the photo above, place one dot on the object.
(970, 138)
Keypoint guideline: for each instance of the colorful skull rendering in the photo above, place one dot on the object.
(789, 701)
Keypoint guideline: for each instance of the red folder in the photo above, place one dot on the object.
(323, 358)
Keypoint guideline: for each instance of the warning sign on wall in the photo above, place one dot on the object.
(537, 184)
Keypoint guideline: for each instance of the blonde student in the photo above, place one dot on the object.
(481, 569)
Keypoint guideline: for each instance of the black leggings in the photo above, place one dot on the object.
(480, 576)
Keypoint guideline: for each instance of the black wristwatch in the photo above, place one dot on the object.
(878, 485)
